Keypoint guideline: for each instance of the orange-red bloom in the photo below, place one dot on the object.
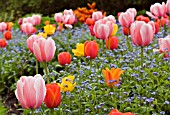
(112, 76)
(91, 49)
(90, 21)
(53, 95)
(113, 42)
(64, 58)
(3, 43)
(142, 18)
(116, 112)
(7, 35)
(126, 31)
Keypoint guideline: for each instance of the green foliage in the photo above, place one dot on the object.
(3, 110)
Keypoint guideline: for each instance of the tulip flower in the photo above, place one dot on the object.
(133, 11)
(27, 28)
(7, 35)
(30, 42)
(20, 21)
(64, 58)
(3, 26)
(53, 95)
(142, 18)
(112, 43)
(9, 26)
(91, 49)
(126, 31)
(41, 34)
(68, 20)
(58, 17)
(116, 112)
(49, 29)
(90, 21)
(68, 12)
(79, 51)
(91, 30)
(37, 19)
(67, 84)
(103, 29)
(3, 43)
(112, 76)
(115, 29)
(167, 6)
(157, 27)
(29, 20)
(97, 15)
(31, 91)
(110, 18)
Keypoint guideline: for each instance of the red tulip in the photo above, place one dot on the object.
(7, 35)
(157, 27)
(90, 21)
(91, 49)
(161, 22)
(142, 18)
(116, 112)
(64, 58)
(3, 43)
(113, 42)
(53, 95)
(91, 30)
(126, 31)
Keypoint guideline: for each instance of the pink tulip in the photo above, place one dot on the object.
(3, 26)
(157, 10)
(110, 18)
(68, 19)
(141, 33)
(168, 6)
(31, 91)
(133, 11)
(97, 15)
(68, 12)
(126, 19)
(103, 29)
(20, 21)
(27, 28)
(37, 19)
(164, 44)
(153, 26)
(29, 20)
(44, 49)
(31, 40)
(58, 17)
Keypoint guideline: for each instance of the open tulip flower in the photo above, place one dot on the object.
(112, 76)
(67, 84)
(97, 15)
(37, 19)
(30, 42)
(44, 49)
(64, 58)
(58, 17)
(29, 20)
(27, 28)
(116, 112)
(79, 51)
(3, 26)
(110, 18)
(91, 49)
(53, 95)
(49, 29)
(31, 91)
(7, 35)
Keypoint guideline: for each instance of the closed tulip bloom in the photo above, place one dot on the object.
(30, 42)
(133, 11)
(115, 29)
(67, 84)
(53, 95)
(110, 18)
(116, 112)
(27, 28)
(49, 29)
(3, 43)
(3, 26)
(126, 31)
(29, 20)
(97, 15)
(157, 27)
(68, 19)
(7, 35)
(91, 49)
(37, 19)
(168, 6)
(68, 12)
(41, 34)
(164, 44)
(126, 19)
(153, 25)
(90, 21)
(141, 33)
(31, 91)
(58, 17)
(44, 49)
(64, 58)
(20, 21)
(79, 51)
(103, 29)
(113, 43)
(112, 76)
(91, 30)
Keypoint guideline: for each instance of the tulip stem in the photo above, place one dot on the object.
(36, 66)
(103, 46)
(46, 71)
(52, 111)
(32, 112)
(141, 60)
(109, 43)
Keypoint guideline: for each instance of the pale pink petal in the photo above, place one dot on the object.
(150, 15)
(37, 51)
(103, 32)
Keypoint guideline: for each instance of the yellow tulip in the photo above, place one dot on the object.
(67, 84)
(79, 51)
(115, 29)
(49, 29)
(44, 35)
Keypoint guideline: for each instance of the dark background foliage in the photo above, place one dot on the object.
(14, 9)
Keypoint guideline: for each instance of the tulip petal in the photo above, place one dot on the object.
(37, 51)
(49, 98)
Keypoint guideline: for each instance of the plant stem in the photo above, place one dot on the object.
(36, 66)
(46, 71)
(52, 111)
(142, 60)
(103, 46)
(109, 43)
(32, 112)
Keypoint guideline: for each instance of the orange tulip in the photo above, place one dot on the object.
(64, 58)
(112, 76)
(53, 95)
(126, 31)
(3, 43)
(116, 112)
(89, 21)
(7, 35)
(113, 41)
(91, 49)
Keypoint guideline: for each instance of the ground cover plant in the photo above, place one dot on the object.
(58, 65)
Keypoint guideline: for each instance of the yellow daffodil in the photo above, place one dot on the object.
(44, 35)
(79, 51)
(112, 76)
(115, 29)
(49, 29)
(67, 84)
